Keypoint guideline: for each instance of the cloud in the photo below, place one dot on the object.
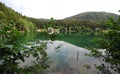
(61, 8)
(15, 4)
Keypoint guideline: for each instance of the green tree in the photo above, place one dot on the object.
(110, 42)
(14, 30)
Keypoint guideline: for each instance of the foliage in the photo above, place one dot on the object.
(40, 64)
(10, 48)
(91, 20)
(50, 32)
(110, 42)
(14, 31)
(103, 16)
(13, 49)
(9, 16)
(76, 24)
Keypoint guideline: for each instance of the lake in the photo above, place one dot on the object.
(66, 58)
(78, 39)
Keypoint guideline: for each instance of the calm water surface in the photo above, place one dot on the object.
(66, 58)
(69, 59)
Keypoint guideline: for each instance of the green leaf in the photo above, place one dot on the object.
(9, 46)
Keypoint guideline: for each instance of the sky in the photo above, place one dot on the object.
(59, 9)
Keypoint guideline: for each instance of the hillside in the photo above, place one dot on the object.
(101, 16)
(9, 16)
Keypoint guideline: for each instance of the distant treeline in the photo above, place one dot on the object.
(40, 23)
(91, 20)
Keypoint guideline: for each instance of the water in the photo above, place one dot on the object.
(66, 58)
(70, 59)
(81, 40)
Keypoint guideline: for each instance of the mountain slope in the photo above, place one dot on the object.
(9, 16)
(102, 16)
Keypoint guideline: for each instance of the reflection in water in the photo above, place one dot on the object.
(70, 59)
(66, 58)
(77, 55)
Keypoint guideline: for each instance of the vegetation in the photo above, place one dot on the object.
(110, 42)
(13, 49)
(95, 21)
(96, 16)
(80, 30)
(15, 30)
(107, 36)
(8, 15)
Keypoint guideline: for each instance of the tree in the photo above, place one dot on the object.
(110, 42)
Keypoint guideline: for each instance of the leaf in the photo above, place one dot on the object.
(9, 46)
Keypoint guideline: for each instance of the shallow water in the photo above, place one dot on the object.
(65, 58)
(70, 59)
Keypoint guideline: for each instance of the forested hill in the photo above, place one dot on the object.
(87, 18)
(101, 16)
(9, 16)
